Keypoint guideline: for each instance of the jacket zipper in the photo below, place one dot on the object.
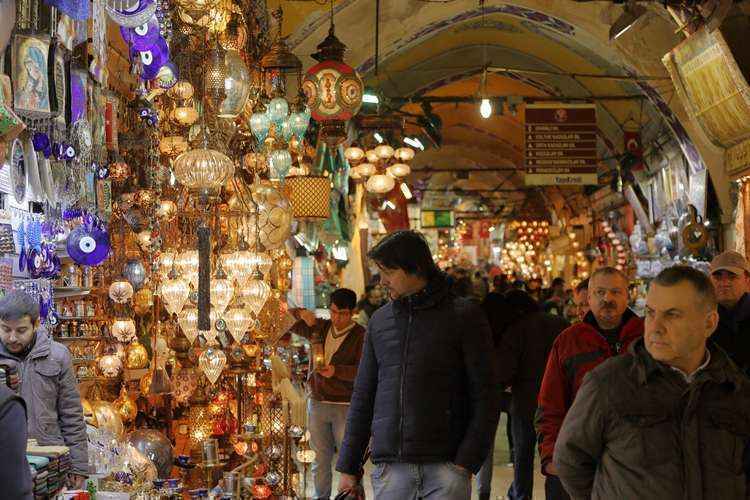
(404, 355)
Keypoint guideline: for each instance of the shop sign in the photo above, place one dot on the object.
(437, 218)
(560, 144)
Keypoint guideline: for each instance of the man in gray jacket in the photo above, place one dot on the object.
(48, 384)
(670, 421)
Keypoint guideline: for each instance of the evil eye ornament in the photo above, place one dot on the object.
(102, 172)
(142, 37)
(69, 152)
(153, 59)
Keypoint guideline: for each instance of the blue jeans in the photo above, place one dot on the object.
(484, 478)
(554, 490)
(327, 423)
(524, 438)
(402, 481)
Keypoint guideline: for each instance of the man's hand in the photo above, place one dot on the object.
(462, 469)
(327, 371)
(76, 481)
(308, 317)
(550, 469)
(347, 482)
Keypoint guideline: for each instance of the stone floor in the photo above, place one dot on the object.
(501, 478)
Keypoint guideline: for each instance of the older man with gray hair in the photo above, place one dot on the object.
(48, 384)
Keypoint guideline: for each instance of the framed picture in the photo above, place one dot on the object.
(58, 75)
(31, 76)
(79, 83)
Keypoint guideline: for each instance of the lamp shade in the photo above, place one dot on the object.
(174, 293)
(404, 154)
(237, 85)
(366, 169)
(384, 151)
(203, 169)
(333, 90)
(399, 170)
(380, 184)
(173, 145)
(354, 153)
(184, 115)
(309, 196)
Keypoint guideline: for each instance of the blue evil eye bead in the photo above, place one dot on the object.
(144, 113)
(40, 141)
(141, 37)
(70, 152)
(102, 172)
(153, 59)
(59, 150)
(52, 318)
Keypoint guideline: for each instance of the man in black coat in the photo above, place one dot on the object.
(15, 476)
(424, 390)
(730, 275)
(523, 349)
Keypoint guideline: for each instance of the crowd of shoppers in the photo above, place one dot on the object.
(439, 357)
(620, 406)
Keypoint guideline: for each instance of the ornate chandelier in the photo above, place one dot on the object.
(384, 165)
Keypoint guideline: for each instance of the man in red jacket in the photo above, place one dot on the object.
(606, 331)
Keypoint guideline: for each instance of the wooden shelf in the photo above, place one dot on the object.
(61, 292)
(98, 379)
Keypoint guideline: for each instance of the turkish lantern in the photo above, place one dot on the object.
(333, 88)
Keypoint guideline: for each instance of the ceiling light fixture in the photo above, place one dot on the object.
(370, 98)
(414, 142)
(406, 191)
(485, 108)
(378, 137)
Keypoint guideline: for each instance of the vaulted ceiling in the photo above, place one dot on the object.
(441, 49)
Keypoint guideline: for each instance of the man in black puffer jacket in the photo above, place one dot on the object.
(424, 390)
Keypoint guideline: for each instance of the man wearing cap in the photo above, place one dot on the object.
(730, 275)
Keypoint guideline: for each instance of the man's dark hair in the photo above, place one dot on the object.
(700, 282)
(344, 298)
(583, 285)
(405, 250)
(17, 304)
(557, 282)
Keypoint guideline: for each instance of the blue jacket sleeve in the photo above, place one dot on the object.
(359, 419)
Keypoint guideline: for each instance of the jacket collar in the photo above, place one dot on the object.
(720, 368)
(431, 295)
(41, 348)
(625, 324)
(739, 312)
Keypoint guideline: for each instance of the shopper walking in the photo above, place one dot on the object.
(424, 392)
(339, 340)
(730, 275)
(48, 384)
(606, 331)
(672, 421)
(522, 357)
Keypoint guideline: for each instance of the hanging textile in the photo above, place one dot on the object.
(353, 275)
(302, 293)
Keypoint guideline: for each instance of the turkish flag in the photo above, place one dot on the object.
(398, 218)
(633, 146)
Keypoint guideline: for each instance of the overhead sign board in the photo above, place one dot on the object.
(560, 144)
(437, 219)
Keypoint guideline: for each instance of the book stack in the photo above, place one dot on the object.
(40, 473)
(59, 464)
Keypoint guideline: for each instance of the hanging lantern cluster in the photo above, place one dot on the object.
(379, 167)
(532, 231)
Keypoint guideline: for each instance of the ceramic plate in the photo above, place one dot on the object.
(18, 171)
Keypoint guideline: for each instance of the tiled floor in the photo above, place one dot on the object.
(501, 478)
